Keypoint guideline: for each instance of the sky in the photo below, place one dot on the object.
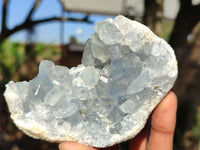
(48, 32)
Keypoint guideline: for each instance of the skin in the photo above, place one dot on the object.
(156, 135)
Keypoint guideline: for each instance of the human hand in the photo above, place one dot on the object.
(156, 136)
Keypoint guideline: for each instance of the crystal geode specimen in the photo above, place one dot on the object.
(126, 70)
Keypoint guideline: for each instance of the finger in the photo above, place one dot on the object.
(163, 124)
(139, 142)
(74, 146)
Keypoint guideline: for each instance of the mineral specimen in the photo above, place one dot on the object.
(126, 70)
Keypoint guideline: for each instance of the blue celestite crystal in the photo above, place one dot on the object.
(126, 70)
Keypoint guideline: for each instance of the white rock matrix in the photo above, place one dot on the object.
(126, 70)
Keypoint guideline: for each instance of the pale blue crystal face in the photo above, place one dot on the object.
(126, 70)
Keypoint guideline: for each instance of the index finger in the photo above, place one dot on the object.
(74, 146)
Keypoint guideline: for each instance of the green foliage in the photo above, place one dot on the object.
(196, 128)
(74, 40)
(46, 51)
(167, 26)
(38, 48)
(11, 56)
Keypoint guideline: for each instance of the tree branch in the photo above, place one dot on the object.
(4, 16)
(153, 15)
(37, 2)
(59, 19)
(188, 16)
(29, 23)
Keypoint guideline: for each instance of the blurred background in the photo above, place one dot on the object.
(32, 30)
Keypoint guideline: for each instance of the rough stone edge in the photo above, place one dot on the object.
(41, 134)
(40, 131)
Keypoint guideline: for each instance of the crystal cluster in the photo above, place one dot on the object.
(126, 70)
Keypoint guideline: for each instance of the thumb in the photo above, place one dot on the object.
(163, 124)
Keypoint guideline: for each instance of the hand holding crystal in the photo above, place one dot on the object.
(126, 71)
